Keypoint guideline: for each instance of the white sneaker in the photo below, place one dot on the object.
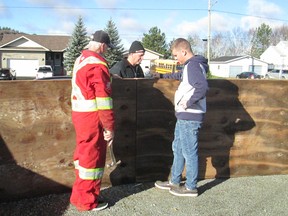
(100, 206)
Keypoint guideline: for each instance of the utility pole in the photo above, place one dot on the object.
(209, 31)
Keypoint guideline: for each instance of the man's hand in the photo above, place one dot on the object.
(108, 135)
(183, 104)
(155, 75)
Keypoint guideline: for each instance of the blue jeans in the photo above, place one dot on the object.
(185, 150)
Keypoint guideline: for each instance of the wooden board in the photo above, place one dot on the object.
(37, 138)
(124, 103)
(245, 133)
(155, 127)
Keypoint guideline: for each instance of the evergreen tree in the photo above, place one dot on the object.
(261, 40)
(76, 44)
(7, 30)
(169, 54)
(116, 54)
(156, 41)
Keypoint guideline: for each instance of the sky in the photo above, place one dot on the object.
(133, 18)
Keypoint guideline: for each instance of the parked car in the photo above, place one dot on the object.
(7, 74)
(44, 71)
(277, 74)
(56, 78)
(249, 75)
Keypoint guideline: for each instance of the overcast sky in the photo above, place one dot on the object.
(134, 17)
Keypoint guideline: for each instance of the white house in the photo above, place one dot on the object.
(277, 55)
(230, 66)
(148, 56)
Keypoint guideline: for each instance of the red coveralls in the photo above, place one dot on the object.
(91, 114)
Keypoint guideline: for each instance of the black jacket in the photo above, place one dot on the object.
(125, 70)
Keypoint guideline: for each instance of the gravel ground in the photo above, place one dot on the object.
(259, 195)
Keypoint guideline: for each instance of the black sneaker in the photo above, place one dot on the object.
(100, 206)
(183, 191)
(166, 185)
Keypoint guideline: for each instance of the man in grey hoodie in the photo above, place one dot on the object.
(190, 107)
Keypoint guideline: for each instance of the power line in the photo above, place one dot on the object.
(240, 14)
(138, 9)
(101, 8)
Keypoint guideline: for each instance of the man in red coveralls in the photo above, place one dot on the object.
(93, 119)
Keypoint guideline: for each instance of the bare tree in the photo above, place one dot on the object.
(279, 34)
(218, 45)
(232, 43)
(198, 45)
(240, 42)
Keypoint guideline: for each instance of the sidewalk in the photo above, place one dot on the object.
(260, 195)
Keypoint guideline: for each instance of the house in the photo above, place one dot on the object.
(149, 55)
(24, 53)
(277, 56)
(230, 66)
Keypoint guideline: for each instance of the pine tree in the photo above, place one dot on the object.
(156, 41)
(116, 54)
(7, 30)
(261, 40)
(76, 44)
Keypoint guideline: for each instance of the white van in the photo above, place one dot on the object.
(44, 71)
(277, 74)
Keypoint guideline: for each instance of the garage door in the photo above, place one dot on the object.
(234, 70)
(24, 67)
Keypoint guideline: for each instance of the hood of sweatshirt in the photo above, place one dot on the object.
(202, 60)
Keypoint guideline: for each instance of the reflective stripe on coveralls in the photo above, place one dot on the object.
(89, 174)
(103, 103)
(81, 104)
